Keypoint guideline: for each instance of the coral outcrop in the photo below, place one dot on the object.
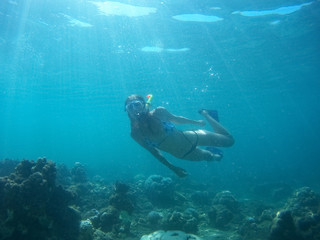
(159, 189)
(170, 235)
(299, 219)
(33, 207)
(185, 221)
(78, 173)
(121, 199)
(224, 208)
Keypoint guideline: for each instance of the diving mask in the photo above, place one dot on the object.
(135, 107)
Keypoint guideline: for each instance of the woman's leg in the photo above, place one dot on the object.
(220, 138)
(217, 127)
(199, 154)
(196, 153)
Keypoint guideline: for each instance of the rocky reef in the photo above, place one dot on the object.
(299, 219)
(121, 198)
(159, 189)
(224, 208)
(35, 203)
(33, 207)
(170, 235)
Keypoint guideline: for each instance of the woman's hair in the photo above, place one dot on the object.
(133, 97)
(147, 117)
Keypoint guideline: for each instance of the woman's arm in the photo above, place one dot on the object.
(163, 114)
(180, 172)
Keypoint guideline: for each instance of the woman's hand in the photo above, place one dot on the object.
(180, 172)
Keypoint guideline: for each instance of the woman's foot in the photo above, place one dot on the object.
(212, 113)
(217, 157)
(203, 112)
(217, 154)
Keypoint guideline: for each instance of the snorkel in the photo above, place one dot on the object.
(136, 107)
(148, 103)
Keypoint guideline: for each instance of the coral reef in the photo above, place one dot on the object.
(283, 227)
(170, 235)
(220, 216)
(159, 189)
(299, 219)
(120, 199)
(35, 205)
(187, 221)
(30, 202)
(226, 199)
(63, 177)
(86, 230)
(108, 218)
(78, 173)
(154, 217)
(224, 208)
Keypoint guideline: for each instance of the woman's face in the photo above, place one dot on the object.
(135, 108)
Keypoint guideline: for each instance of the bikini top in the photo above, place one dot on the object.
(168, 128)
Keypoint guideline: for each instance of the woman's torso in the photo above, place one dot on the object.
(163, 135)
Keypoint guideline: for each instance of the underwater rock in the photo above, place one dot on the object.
(91, 213)
(108, 218)
(122, 229)
(283, 227)
(226, 199)
(24, 169)
(253, 230)
(79, 173)
(154, 217)
(191, 212)
(93, 216)
(169, 235)
(220, 216)
(224, 208)
(120, 199)
(121, 188)
(159, 189)
(92, 195)
(309, 221)
(86, 230)
(33, 207)
(175, 220)
(300, 218)
(181, 221)
(63, 175)
(266, 215)
(304, 198)
(111, 224)
(100, 235)
(249, 228)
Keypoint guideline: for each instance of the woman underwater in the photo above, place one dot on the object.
(154, 130)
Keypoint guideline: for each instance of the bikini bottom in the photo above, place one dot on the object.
(193, 145)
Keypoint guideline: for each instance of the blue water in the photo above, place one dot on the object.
(66, 68)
